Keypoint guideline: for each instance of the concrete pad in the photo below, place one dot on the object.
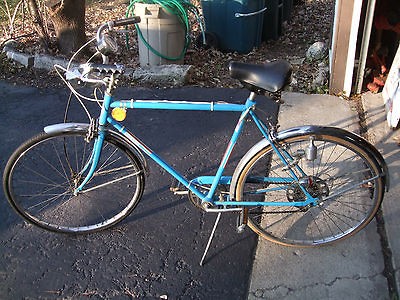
(47, 62)
(170, 75)
(387, 141)
(301, 109)
(351, 269)
(24, 59)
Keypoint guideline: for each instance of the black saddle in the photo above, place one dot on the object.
(271, 76)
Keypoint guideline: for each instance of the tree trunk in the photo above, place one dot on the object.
(68, 17)
(38, 23)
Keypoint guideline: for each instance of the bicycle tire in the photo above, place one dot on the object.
(41, 175)
(341, 167)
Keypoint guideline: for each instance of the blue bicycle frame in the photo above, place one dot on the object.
(246, 110)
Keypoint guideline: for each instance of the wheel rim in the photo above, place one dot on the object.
(44, 176)
(329, 221)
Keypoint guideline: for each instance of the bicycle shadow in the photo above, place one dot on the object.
(212, 255)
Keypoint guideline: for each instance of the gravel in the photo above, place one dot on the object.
(310, 22)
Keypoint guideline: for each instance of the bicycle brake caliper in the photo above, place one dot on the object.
(92, 130)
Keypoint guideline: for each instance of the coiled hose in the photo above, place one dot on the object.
(180, 8)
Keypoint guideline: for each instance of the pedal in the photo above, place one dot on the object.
(177, 191)
(241, 228)
(206, 205)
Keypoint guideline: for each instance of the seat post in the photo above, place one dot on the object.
(252, 96)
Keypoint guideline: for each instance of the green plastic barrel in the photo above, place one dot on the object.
(236, 25)
(287, 9)
(273, 19)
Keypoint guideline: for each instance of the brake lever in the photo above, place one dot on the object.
(82, 73)
(72, 73)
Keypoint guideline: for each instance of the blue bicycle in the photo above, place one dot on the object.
(305, 186)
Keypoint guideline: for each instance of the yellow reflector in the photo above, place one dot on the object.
(118, 113)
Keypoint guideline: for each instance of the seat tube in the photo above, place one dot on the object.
(235, 136)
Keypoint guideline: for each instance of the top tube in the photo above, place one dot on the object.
(182, 105)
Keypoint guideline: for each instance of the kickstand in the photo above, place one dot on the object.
(210, 239)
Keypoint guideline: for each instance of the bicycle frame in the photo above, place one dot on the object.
(246, 110)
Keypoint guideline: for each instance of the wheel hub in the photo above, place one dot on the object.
(316, 186)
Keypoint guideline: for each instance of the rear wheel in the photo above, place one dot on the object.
(41, 176)
(342, 175)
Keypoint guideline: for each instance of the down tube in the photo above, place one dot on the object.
(142, 146)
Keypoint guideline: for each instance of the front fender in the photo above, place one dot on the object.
(84, 127)
(66, 127)
(371, 151)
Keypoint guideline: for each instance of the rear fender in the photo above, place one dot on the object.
(371, 151)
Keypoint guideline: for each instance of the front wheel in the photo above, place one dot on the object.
(343, 176)
(41, 177)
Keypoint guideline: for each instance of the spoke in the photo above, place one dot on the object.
(317, 226)
(31, 182)
(84, 161)
(60, 161)
(106, 162)
(40, 175)
(326, 166)
(49, 201)
(348, 205)
(345, 176)
(342, 217)
(43, 193)
(349, 171)
(349, 188)
(324, 213)
(355, 202)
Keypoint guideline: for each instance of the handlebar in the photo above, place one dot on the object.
(127, 21)
(116, 23)
(105, 44)
(92, 72)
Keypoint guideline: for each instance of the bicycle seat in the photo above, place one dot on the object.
(271, 76)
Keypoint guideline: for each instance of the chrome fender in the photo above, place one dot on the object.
(371, 151)
(84, 127)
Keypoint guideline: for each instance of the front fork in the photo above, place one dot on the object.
(98, 143)
(92, 162)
